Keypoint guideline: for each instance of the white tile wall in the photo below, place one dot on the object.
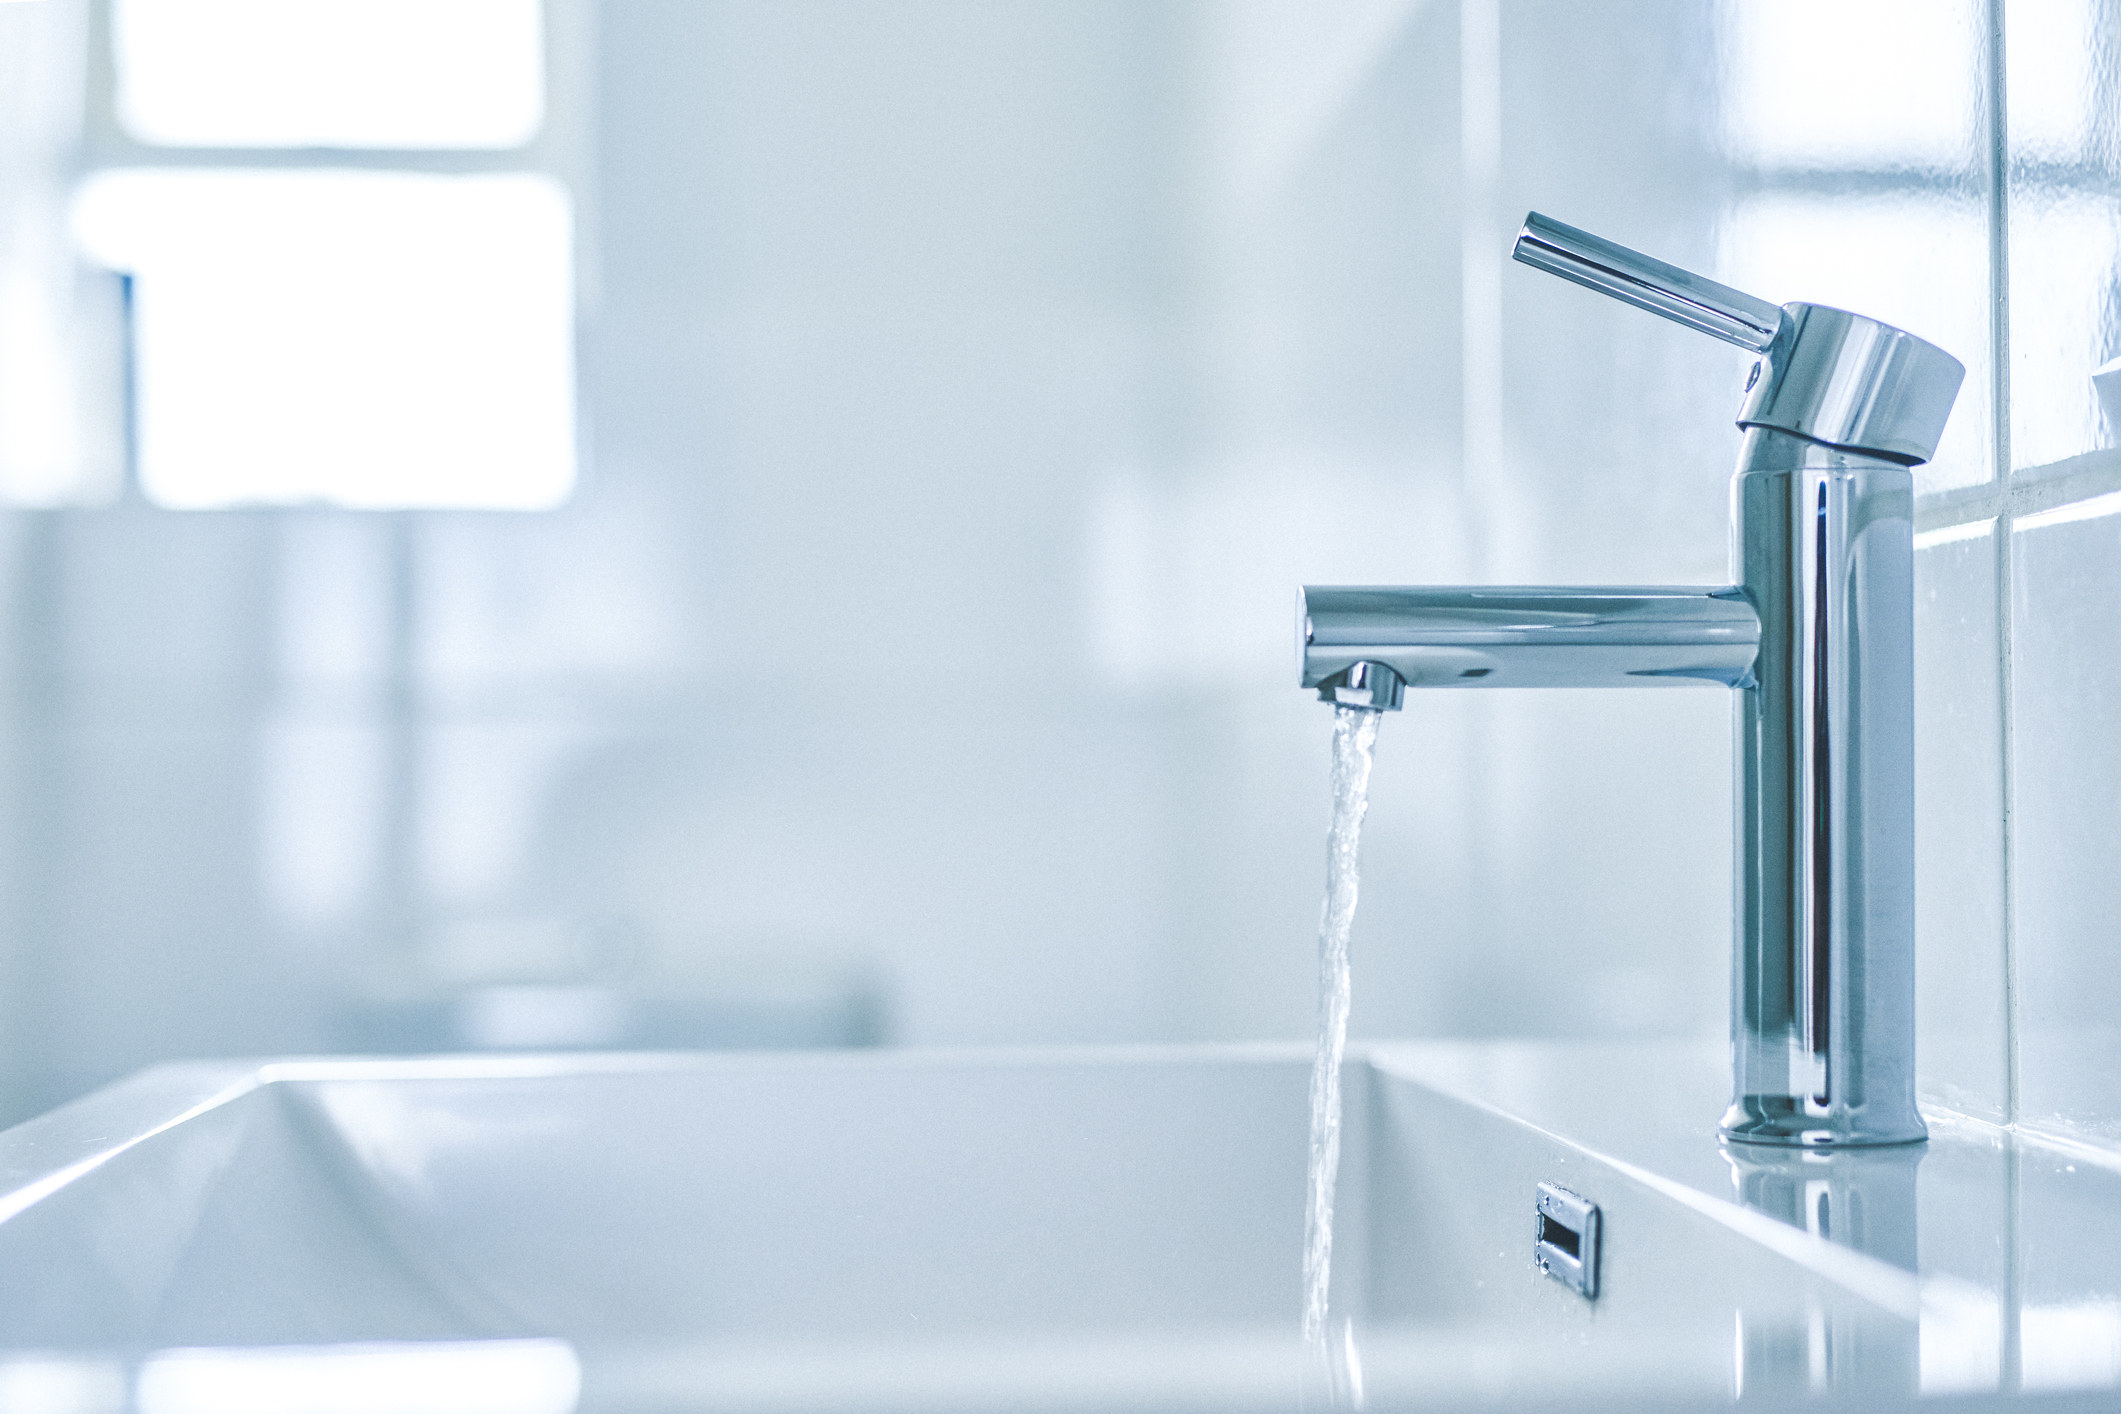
(2058, 277)
(2066, 762)
(1962, 996)
(2019, 709)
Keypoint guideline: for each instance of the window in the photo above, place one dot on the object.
(329, 73)
(61, 384)
(352, 283)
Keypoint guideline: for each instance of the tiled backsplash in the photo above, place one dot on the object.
(2019, 621)
(2065, 824)
(1963, 992)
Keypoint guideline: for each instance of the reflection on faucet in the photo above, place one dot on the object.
(1502, 636)
(1815, 638)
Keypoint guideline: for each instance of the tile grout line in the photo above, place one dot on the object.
(1483, 490)
(2010, 1351)
(1480, 272)
(2032, 491)
(2006, 512)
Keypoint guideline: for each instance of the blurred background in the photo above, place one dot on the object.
(774, 522)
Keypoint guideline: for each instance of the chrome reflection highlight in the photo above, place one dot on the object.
(1824, 1013)
(440, 1377)
(1825, 375)
(1478, 636)
(1816, 636)
(1851, 382)
(1679, 295)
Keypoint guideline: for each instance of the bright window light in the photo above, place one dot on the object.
(330, 73)
(2062, 248)
(56, 1384)
(454, 1377)
(2051, 56)
(1878, 84)
(40, 454)
(363, 339)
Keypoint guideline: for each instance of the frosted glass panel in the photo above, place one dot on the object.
(1853, 84)
(2052, 77)
(2065, 226)
(2063, 244)
(329, 73)
(362, 339)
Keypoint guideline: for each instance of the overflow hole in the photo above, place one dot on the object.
(1559, 1236)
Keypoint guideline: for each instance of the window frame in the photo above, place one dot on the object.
(561, 150)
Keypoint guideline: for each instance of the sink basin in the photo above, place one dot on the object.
(1069, 1229)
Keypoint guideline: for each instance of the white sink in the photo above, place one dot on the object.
(1073, 1229)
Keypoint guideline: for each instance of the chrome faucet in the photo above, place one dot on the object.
(1816, 640)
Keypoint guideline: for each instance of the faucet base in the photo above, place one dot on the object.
(1786, 1121)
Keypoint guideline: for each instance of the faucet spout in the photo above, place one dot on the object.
(1496, 636)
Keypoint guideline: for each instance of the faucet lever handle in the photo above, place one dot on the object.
(1679, 295)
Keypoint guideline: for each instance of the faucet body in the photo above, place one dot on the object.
(1823, 983)
(1814, 638)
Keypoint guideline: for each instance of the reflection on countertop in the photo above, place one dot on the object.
(2007, 1234)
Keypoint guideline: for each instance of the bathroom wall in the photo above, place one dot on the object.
(2055, 544)
(968, 386)
(784, 730)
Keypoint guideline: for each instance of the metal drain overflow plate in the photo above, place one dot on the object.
(1566, 1239)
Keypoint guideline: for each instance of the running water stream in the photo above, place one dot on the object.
(1354, 745)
